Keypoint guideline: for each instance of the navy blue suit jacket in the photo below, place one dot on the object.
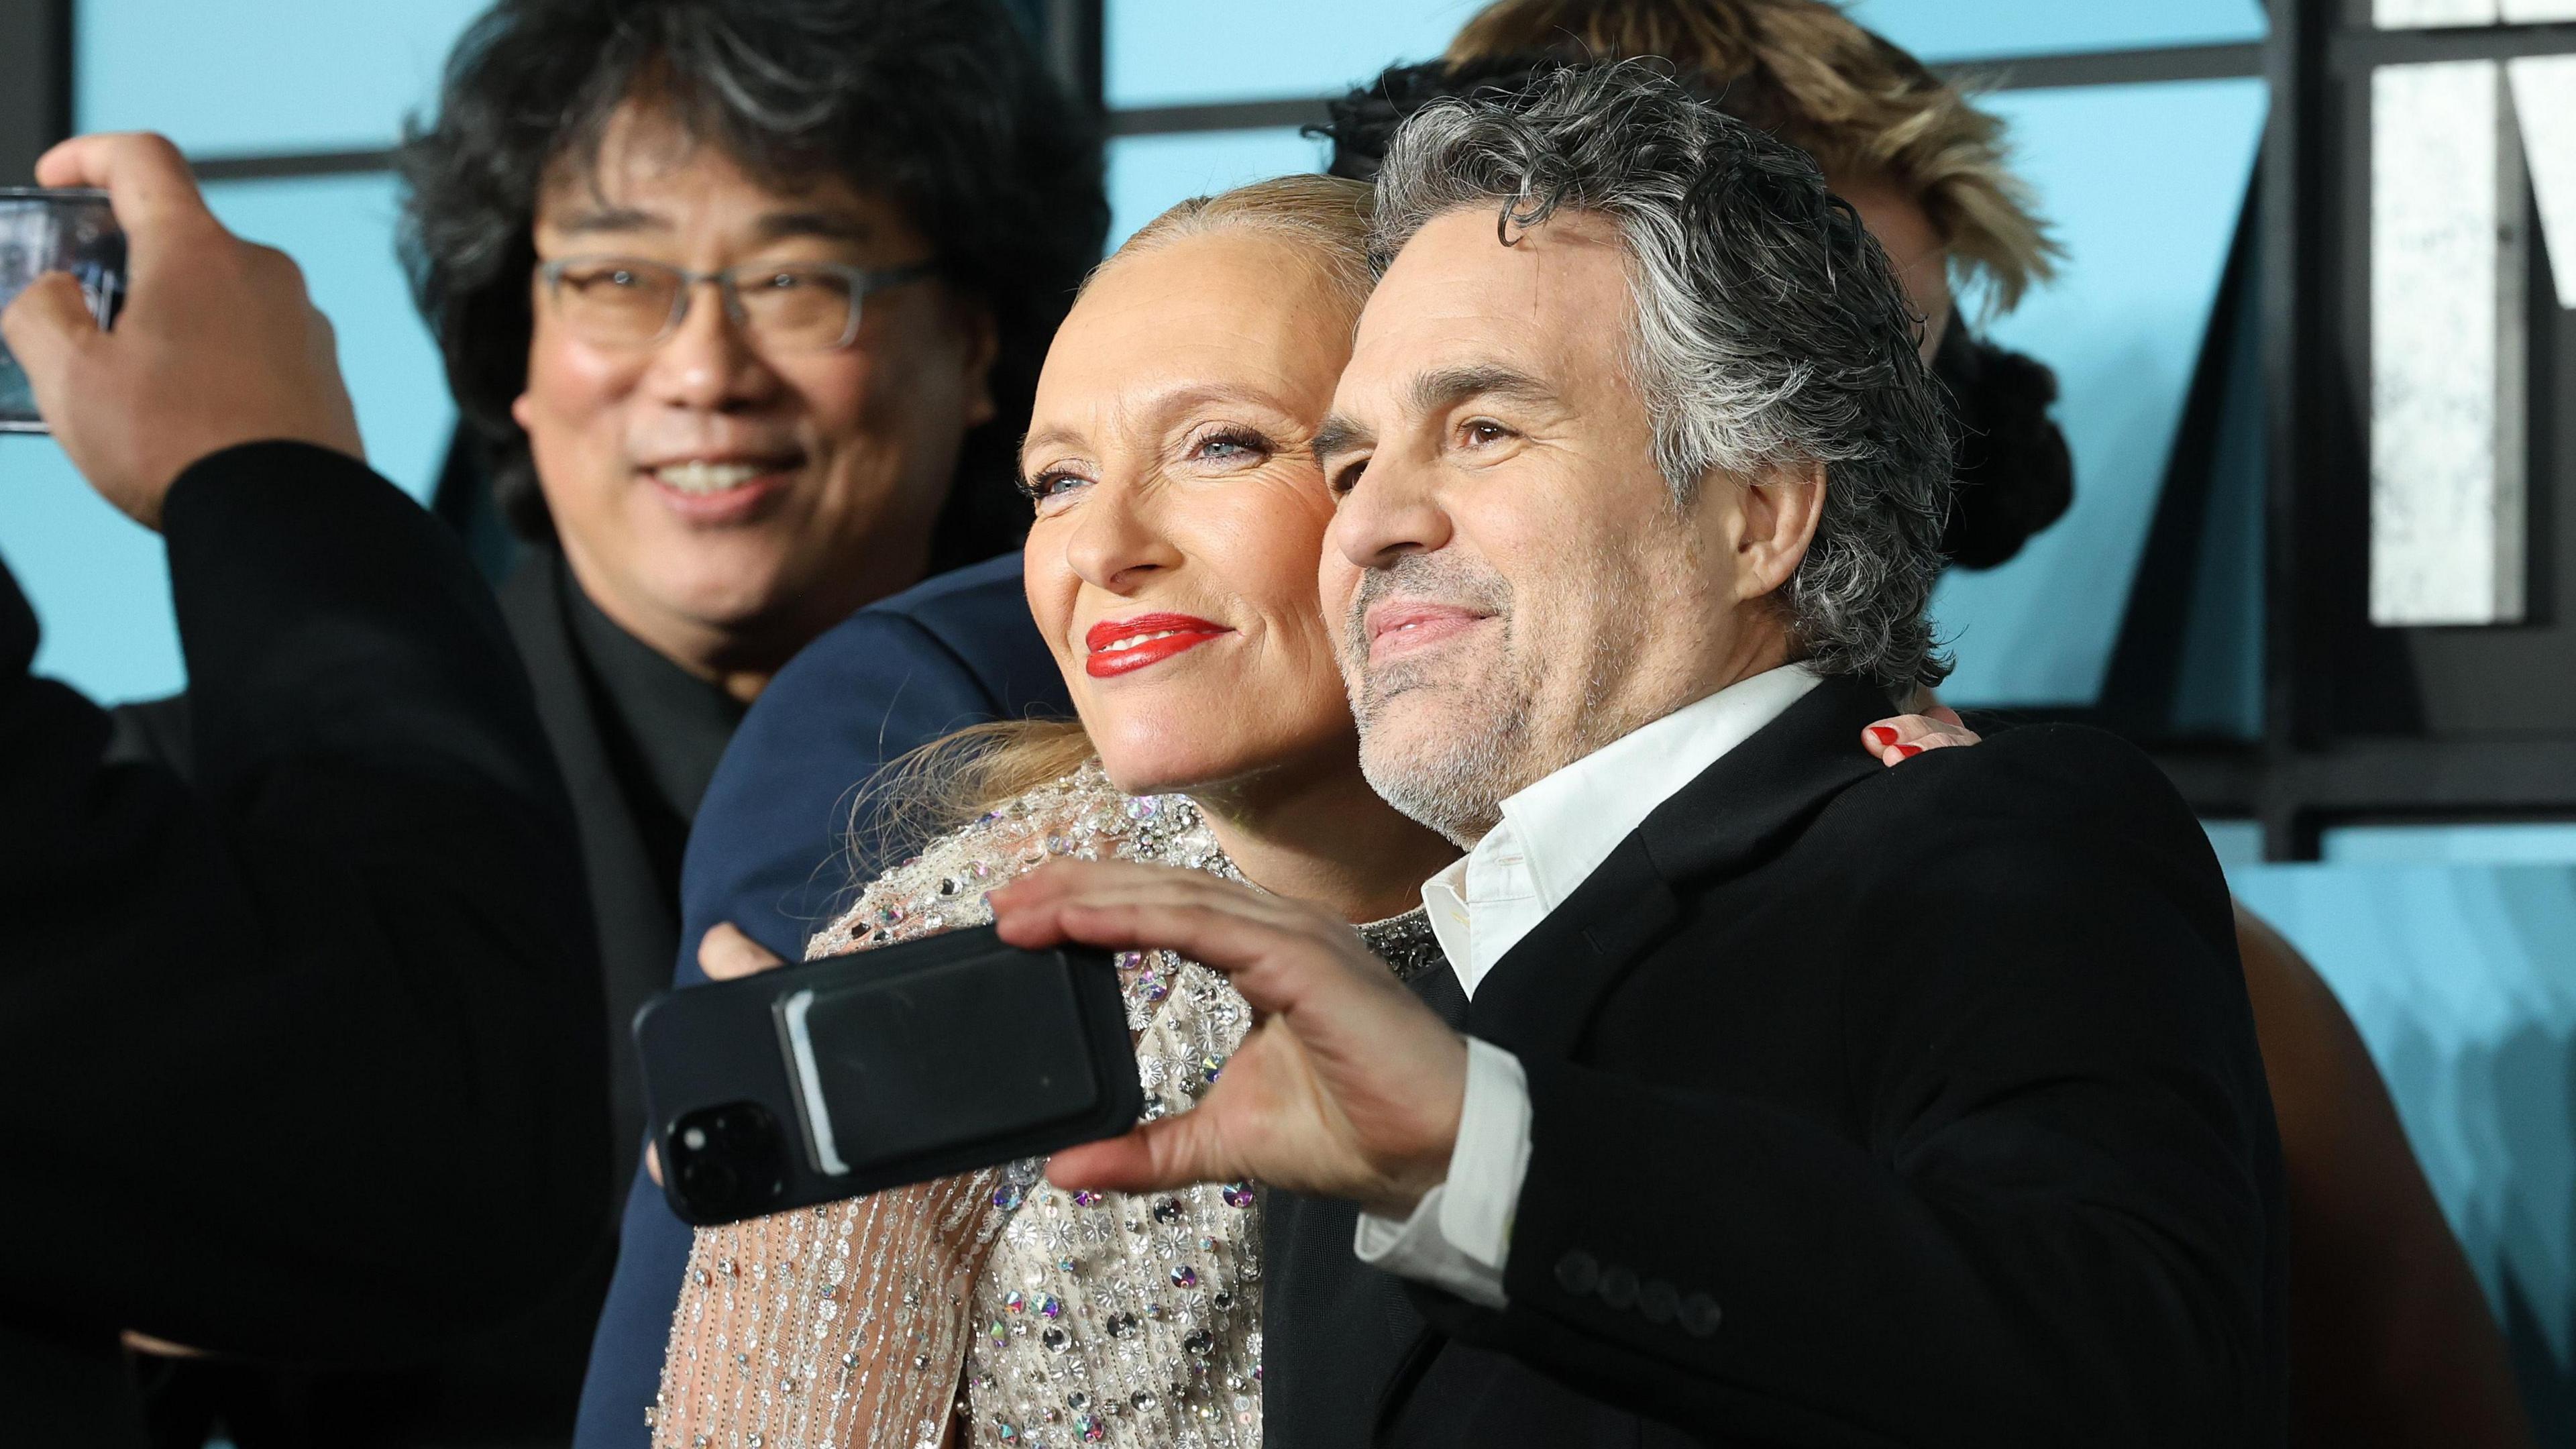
(773, 850)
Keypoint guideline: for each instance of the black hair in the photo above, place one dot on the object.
(941, 106)
(2015, 474)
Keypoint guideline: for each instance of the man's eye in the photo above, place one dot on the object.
(1484, 431)
(1345, 476)
(817, 282)
(606, 279)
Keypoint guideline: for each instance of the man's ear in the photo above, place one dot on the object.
(1780, 510)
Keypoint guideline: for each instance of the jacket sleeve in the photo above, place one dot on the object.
(2060, 1224)
(779, 841)
(307, 1051)
(789, 830)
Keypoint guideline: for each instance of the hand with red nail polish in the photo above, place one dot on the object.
(1907, 735)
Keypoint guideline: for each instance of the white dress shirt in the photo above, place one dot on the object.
(1552, 836)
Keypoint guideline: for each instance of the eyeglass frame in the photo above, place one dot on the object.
(863, 283)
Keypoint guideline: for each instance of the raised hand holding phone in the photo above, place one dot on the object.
(1347, 1086)
(218, 343)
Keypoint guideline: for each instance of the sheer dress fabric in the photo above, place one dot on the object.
(1039, 1317)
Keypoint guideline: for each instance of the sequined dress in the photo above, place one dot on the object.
(1042, 1317)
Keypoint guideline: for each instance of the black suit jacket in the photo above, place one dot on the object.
(1869, 1107)
(269, 1036)
(630, 843)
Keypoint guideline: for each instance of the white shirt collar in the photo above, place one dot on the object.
(1559, 830)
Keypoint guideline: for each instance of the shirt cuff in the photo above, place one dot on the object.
(1461, 1232)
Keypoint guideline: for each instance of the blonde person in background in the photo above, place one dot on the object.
(2392, 1341)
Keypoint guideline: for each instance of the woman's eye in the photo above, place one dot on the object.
(1231, 447)
(1045, 487)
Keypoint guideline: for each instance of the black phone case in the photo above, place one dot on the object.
(902, 1064)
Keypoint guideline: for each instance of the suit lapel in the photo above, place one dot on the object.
(1541, 995)
(638, 920)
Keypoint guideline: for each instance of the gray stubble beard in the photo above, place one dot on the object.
(1455, 780)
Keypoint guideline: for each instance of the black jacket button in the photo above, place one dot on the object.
(1699, 1315)
(1658, 1301)
(1618, 1287)
(1577, 1272)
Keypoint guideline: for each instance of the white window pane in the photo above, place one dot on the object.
(2424, 14)
(2447, 347)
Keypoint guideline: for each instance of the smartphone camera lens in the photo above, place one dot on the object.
(728, 1162)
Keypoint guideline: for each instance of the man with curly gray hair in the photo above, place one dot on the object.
(1773, 1097)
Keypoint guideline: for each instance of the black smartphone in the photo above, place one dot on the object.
(44, 231)
(862, 1072)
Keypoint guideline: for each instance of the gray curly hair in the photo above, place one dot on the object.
(1769, 329)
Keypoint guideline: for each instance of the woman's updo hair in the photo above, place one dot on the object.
(2015, 475)
(1327, 216)
(950, 781)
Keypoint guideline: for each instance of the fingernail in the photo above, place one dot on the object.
(1907, 752)
(1883, 735)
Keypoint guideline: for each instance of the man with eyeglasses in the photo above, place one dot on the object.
(742, 302)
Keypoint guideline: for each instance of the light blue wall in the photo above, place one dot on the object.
(1149, 173)
(230, 78)
(2144, 185)
(1178, 52)
(2516, 844)
(97, 581)
(2462, 981)
(1953, 30)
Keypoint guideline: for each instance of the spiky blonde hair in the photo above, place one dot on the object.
(1804, 71)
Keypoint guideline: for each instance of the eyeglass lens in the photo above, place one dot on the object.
(628, 303)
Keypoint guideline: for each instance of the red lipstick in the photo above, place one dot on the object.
(1123, 646)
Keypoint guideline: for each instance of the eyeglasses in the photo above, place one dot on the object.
(789, 307)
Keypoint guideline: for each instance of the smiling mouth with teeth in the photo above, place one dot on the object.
(1134, 640)
(699, 477)
(1143, 641)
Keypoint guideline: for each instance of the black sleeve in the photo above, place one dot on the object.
(2060, 1224)
(302, 1059)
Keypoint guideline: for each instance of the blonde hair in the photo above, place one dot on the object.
(1804, 71)
(1327, 216)
(942, 785)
